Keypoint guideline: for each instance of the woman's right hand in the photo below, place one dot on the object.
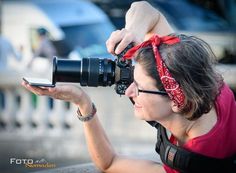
(68, 93)
(124, 38)
(141, 21)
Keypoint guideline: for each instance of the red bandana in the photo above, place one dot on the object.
(171, 86)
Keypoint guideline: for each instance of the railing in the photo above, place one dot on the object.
(39, 127)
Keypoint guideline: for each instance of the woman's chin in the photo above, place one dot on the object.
(138, 113)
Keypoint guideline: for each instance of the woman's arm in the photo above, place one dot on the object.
(105, 158)
(142, 21)
(123, 164)
(101, 151)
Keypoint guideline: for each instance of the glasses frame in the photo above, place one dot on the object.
(137, 91)
(151, 92)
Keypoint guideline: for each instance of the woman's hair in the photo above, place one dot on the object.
(191, 62)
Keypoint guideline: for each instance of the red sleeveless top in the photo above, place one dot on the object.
(220, 141)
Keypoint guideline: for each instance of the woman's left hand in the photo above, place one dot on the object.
(68, 93)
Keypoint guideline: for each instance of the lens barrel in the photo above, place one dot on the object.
(88, 72)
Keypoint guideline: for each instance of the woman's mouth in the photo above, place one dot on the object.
(137, 106)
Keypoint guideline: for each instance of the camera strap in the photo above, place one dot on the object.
(186, 161)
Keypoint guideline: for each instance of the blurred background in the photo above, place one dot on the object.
(47, 131)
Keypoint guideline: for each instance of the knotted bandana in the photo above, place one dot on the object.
(171, 86)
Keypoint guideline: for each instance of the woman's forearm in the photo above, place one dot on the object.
(99, 147)
(144, 20)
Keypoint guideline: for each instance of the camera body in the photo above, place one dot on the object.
(95, 72)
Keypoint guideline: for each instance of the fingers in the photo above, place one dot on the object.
(38, 90)
(62, 92)
(114, 38)
(124, 43)
(123, 37)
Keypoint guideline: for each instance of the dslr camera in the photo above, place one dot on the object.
(95, 72)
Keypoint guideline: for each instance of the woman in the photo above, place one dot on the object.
(174, 84)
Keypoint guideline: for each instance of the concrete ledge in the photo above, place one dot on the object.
(81, 168)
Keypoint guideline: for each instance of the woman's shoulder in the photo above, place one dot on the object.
(225, 102)
(216, 141)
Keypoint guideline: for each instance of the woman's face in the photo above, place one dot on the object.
(147, 106)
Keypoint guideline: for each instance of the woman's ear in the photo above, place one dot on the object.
(174, 107)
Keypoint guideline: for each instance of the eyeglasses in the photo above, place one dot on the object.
(137, 91)
(150, 92)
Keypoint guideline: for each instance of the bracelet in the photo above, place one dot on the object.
(87, 117)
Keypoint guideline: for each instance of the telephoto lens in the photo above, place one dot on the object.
(88, 72)
(95, 72)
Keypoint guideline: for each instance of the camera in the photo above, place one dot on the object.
(95, 72)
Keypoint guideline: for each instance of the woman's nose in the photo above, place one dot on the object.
(130, 91)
